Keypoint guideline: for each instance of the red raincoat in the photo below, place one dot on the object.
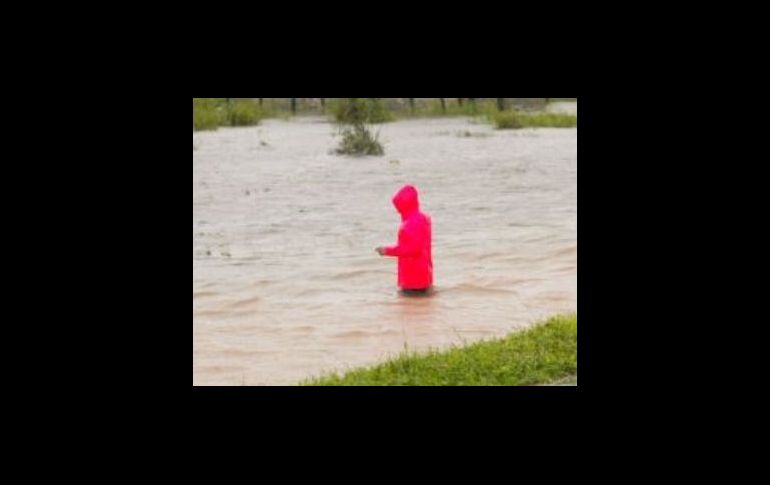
(415, 263)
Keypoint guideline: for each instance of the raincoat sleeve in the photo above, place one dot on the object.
(407, 244)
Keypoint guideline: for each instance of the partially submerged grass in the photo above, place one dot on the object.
(358, 140)
(540, 355)
(211, 113)
(504, 120)
(354, 116)
(206, 114)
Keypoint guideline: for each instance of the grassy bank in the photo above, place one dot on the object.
(505, 120)
(485, 108)
(207, 114)
(376, 110)
(211, 113)
(488, 111)
(543, 354)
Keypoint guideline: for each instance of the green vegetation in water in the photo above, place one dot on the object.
(543, 354)
(354, 116)
(357, 139)
(505, 120)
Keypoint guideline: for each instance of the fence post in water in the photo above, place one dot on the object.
(460, 102)
(443, 105)
(323, 105)
(411, 104)
(501, 104)
(293, 106)
(260, 102)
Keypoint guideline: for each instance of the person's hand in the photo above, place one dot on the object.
(381, 251)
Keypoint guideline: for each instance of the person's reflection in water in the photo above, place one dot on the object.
(418, 314)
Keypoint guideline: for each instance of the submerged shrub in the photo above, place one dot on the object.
(358, 140)
(507, 120)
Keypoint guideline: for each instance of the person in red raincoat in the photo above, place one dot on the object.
(415, 262)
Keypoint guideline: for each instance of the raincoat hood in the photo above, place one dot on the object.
(406, 201)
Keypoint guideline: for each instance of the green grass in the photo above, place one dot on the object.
(211, 113)
(505, 120)
(564, 381)
(543, 354)
(207, 114)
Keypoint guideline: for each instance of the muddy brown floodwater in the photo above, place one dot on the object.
(286, 282)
